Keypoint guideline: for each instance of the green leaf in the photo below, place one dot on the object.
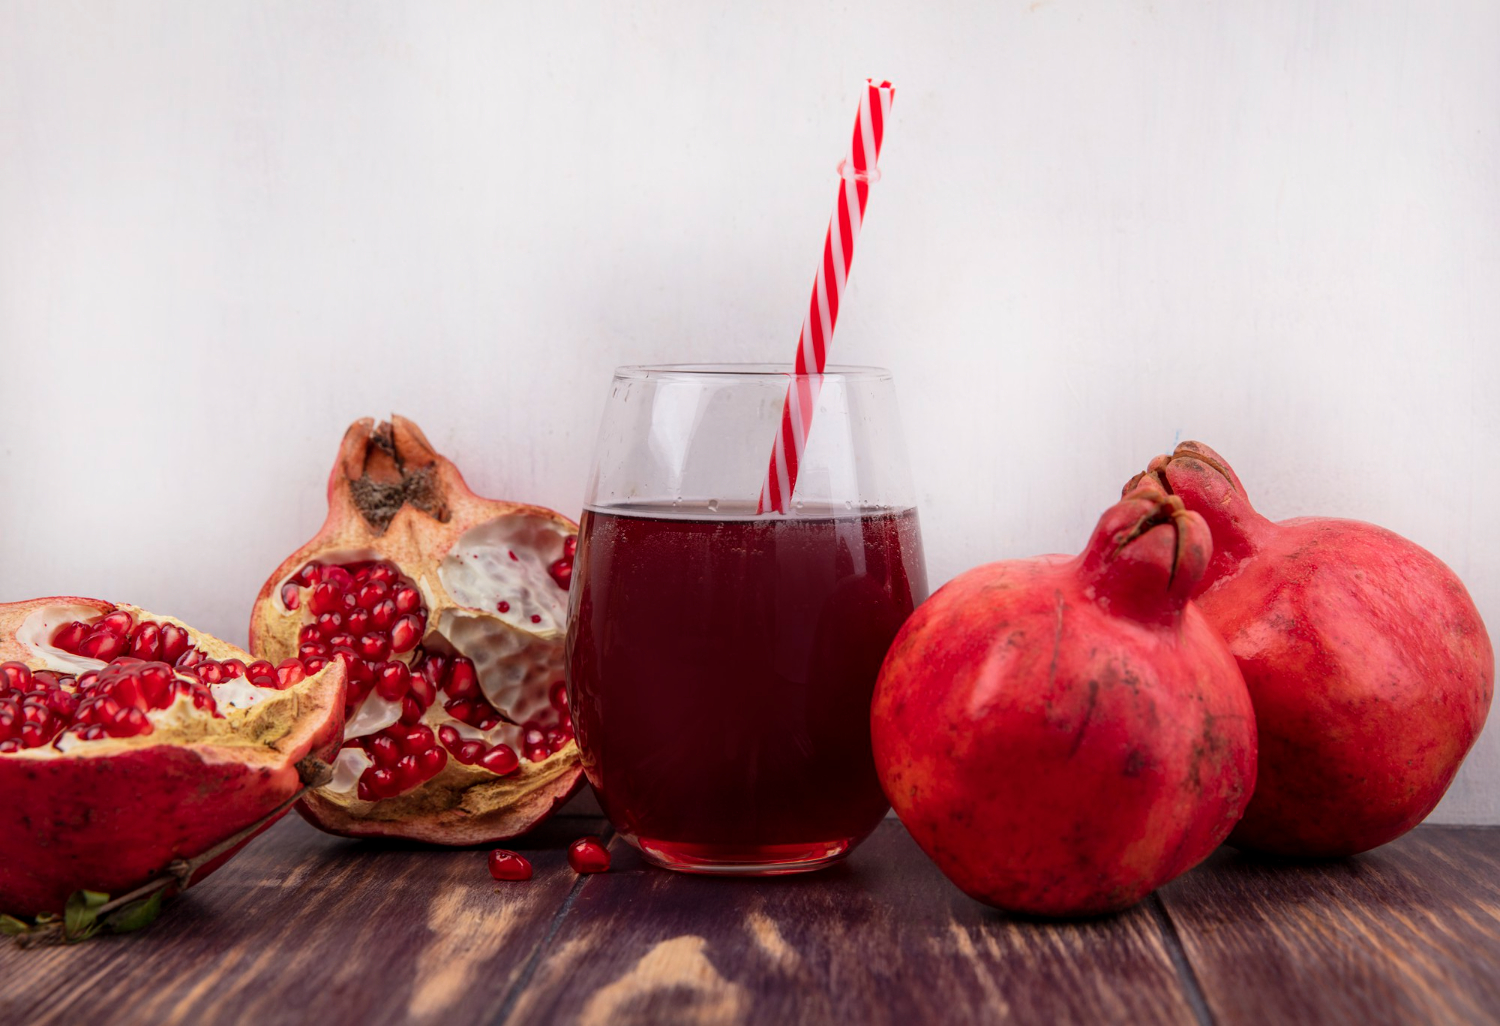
(136, 915)
(13, 927)
(80, 912)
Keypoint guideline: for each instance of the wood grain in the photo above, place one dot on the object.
(882, 938)
(304, 927)
(1408, 933)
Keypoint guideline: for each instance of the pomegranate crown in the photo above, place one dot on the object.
(1208, 486)
(382, 467)
(1147, 554)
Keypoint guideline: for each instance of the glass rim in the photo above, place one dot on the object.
(746, 371)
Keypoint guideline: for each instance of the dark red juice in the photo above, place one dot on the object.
(720, 671)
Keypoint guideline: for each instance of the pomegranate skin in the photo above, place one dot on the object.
(112, 815)
(1368, 665)
(1063, 735)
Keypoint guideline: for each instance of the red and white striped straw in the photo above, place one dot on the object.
(856, 172)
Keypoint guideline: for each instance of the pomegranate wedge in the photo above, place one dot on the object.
(129, 740)
(447, 611)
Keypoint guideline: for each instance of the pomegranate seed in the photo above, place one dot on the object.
(393, 681)
(233, 668)
(361, 672)
(17, 675)
(382, 572)
(431, 762)
(533, 737)
(312, 664)
(449, 736)
(189, 659)
(341, 640)
(470, 752)
(68, 638)
(309, 632)
(308, 574)
(587, 855)
(288, 673)
(174, 642)
(291, 595)
(384, 750)
(411, 710)
(536, 618)
(463, 679)
(119, 622)
(487, 723)
(329, 624)
(570, 546)
(408, 772)
(557, 695)
(371, 594)
(358, 622)
(537, 754)
(423, 690)
(500, 760)
(407, 599)
(373, 646)
(503, 606)
(406, 632)
(211, 672)
(313, 648)
(556, 739)
(562, 573)
(336, 577)
(260, 668)
(145, 641)
(325, 599)
(383, 615)
(416, 740)
(383, 782)
(507, 865)
(103, 644)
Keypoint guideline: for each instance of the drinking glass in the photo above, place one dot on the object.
(720, 662)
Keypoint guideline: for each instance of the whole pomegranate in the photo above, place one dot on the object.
(1369, 668)
(1063, 734)
(128, 741)
(447, 611)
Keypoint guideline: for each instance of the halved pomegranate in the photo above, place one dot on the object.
(129, 741)
(448, 611)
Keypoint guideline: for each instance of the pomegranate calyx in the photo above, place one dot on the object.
(1147, 554)
(1208, 486)
(387, 466)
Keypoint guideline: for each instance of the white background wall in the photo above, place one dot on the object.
(228, 229)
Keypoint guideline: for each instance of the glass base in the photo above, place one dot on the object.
(742, 860)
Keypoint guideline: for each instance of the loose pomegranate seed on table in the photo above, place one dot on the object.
(507, 865)
(588, 855)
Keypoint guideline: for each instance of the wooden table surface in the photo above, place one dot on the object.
(307, 928)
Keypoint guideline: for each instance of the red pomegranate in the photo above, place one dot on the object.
(1369, 668)
(1063, 734)
(448, 612)
(129, 740)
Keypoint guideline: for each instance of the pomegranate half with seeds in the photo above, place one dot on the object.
(447, 611)
(129, 741)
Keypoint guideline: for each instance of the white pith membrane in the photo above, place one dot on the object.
(245, 716)
(493, 600)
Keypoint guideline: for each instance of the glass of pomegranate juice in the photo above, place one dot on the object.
(721, 660)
